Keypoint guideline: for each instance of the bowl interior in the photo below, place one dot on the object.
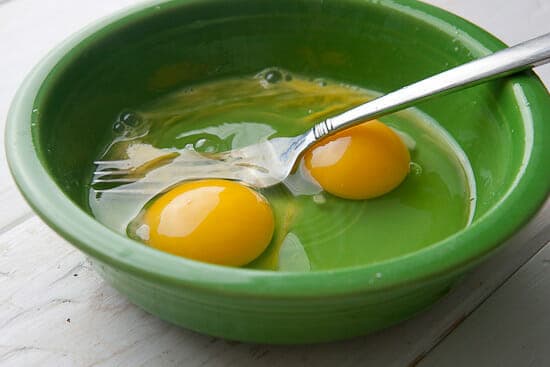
(380, 49)
(377, 45)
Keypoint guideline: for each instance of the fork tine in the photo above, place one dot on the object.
(112, 173)
(113, 164)
(108, 171)
(193, 165)
(126, 192)
(114, 180)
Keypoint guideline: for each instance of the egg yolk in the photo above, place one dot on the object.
(215, 221)
(362, 162)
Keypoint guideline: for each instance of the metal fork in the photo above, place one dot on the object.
(270, 162)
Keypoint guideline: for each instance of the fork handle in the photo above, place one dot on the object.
(507, 61)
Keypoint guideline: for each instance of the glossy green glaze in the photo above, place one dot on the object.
(62, 116)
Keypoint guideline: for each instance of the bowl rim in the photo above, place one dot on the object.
(448, 256)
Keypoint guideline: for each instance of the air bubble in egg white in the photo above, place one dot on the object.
(130, 119)
(321, 82)
(415, 168)
(200, 143)
(319, 199)
(118, 127)
(273, 76)
(204, 145)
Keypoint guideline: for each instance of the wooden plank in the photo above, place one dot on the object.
(14, 209)
(510, 329)
(28, 30)
(40, 291)
(512, 21)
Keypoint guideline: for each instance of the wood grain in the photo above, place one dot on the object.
(45, 282)
(55, 311)
(510, 329)
(29, 29)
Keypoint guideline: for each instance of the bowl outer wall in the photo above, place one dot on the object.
(450, 256)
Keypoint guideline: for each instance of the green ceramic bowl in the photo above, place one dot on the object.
(63, 113)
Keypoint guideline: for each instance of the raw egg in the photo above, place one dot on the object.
(362, 162)
(216, 221)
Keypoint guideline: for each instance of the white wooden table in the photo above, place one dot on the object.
(55, 311)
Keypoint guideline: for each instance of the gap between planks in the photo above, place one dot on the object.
(480, 304)
(403, 344)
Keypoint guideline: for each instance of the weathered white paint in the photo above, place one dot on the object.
(44, 282)
(28, 30)
(39, 291)
(510, 329)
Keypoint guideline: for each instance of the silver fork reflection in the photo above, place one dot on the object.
(260, 165)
